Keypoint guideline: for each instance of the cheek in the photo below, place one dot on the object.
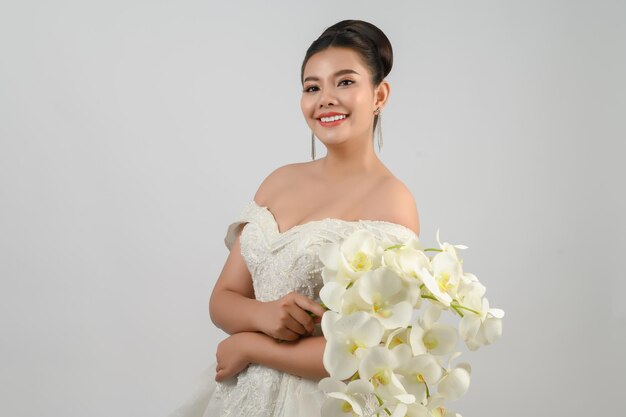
(306, 105)
(363, 100)
(359, 102)
(361, 109)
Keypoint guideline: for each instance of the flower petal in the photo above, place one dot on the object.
(339, 361)
(331, 295)
(454, 385)
(330, 384)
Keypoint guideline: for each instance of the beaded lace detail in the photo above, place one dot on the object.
(281, 262)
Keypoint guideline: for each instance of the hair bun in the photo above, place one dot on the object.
(377, 38)
(363, 37)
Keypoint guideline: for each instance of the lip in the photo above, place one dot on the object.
(332, 113)
(334, 123)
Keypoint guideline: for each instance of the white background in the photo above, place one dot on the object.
(133, 132)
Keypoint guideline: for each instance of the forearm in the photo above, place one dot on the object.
(303, 357)
(233, 312)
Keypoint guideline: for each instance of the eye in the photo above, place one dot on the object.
(308, 89)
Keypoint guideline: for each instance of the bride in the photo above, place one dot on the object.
(266, 297)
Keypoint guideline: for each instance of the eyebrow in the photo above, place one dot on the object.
(338, 73)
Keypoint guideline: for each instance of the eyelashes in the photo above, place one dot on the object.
(307, 90)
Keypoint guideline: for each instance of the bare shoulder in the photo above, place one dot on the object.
(397, 203)
(277, 181)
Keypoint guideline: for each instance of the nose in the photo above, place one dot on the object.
(326, 98)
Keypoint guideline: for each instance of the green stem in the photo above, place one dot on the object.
(466, 308)
(433, 249)
(457, 310)
(394, 247)
(430, 297)
(380, 402)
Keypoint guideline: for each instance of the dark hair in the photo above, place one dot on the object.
(365, 39)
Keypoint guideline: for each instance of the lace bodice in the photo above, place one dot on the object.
(281, 262)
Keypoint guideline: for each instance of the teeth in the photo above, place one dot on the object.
(333, 118)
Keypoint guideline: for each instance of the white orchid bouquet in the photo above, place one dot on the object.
(386, 349)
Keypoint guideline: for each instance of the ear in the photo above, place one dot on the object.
(381, 94)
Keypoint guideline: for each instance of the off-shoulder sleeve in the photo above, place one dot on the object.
(249, 213)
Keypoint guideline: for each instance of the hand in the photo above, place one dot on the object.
(289, 317)
(233, 355)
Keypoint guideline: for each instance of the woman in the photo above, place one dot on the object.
(272, 360)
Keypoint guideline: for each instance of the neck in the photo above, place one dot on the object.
(349, 159)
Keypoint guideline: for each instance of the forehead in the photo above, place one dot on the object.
(328, 61)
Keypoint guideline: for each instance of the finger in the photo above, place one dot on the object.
(307, 304)
(288, 335)
(302, 318)
(293, 324)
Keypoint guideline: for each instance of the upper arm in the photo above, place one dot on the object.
(400, 206)
(235, 275)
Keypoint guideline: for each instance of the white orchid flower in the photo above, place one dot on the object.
(412, 410)
(345, 262)
(344, 400)
(419, 373)
(397, 409)
(352, 302)
(444, 279)
(383, 291)
(483, 328)
(433, 287)
(438, 410)
(447, 272)
(428, 336)
(444, 412)
(455, 383)
(404, 260)
(417, 410)
(431, 409)
(449, 248)
(345, 337)
(469, 286)
(377, 366)
(332, 294)
(407, 261)
(396, 337)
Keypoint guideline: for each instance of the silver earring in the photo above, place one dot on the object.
(312, 146)
(379, 132)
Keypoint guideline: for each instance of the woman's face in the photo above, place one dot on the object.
(337, 81)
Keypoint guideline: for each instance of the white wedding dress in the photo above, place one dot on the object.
(278, 263)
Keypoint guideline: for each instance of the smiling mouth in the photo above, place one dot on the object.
(332, 123)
